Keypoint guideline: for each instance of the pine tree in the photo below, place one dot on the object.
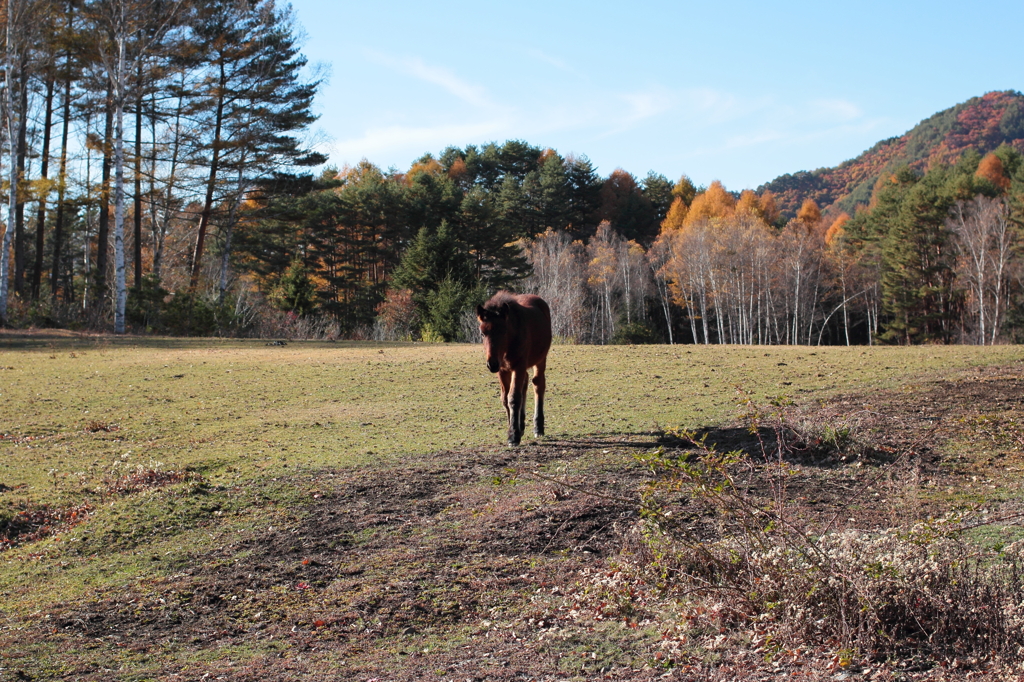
(657, 189)
(255, 101)
(917, 254)
(554, 192)
(439, 271)
(584, 195)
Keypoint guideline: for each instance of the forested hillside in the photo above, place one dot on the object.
(158, 181)
(980, 124)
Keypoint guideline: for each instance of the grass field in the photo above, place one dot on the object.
(247, 511)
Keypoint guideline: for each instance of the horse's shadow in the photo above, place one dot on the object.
(763, 444)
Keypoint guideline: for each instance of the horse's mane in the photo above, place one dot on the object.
(501, 298)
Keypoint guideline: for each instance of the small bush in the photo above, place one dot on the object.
(429, 335)
(397, 316)
(634, 333)
(143, 307)
(270, 323)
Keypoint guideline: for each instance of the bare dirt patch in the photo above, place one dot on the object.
(383, 574)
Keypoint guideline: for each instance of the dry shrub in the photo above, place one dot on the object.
(276, 324)
(719, 528)
(95, 426)
(144, 478)
(35, 522)
(397, 316)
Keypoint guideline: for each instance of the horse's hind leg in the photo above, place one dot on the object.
(522, 411)
(539, 384)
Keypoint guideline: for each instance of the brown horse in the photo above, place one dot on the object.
(517, 336)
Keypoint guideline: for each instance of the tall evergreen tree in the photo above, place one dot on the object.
(584, 190)
(255, 100)
(554, 192)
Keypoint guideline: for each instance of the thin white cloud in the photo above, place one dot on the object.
(707, 107)
(752, 139)
(542, 56)
(699, 122)
(798, 136)
(628, 109)
(836, 109)
(644, 105)
(840, 131)
(383, 141)
(469, 93)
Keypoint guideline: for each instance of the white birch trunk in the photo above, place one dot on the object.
(11, 120)
(120, 285)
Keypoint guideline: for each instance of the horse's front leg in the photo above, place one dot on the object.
(505, 379)
(539, 384)
(517, 407)
(522, 411)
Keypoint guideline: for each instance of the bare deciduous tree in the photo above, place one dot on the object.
(985, 241)
(559, 277)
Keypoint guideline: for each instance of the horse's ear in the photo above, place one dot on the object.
(481, 312)
(506, 309)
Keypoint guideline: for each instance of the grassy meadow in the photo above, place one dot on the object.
(148, 459)
(71, 409)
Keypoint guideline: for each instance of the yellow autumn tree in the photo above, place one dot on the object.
(676, 216)
(769, 208)
(749, 203)
(714, 202)
(685, 190)
(429, 165)
(763, 206)
(809, 213)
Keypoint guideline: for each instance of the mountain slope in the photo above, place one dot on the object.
(980, 123)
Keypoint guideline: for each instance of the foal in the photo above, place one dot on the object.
(517, 336)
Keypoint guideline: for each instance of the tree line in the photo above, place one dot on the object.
(446, 232)
(934, 256)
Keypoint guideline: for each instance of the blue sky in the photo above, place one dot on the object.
(735, 91)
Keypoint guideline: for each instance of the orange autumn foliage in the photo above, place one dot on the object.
(809, 213)
(545, 155)
(676, 216)
(714, 202)
(430, 166)
(763, 207)
(749, 202)
(835, 230)
(991, 169)
(685, 190)
(769, 207)
(458, 170)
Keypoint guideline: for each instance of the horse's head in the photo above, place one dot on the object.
(494, 329)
